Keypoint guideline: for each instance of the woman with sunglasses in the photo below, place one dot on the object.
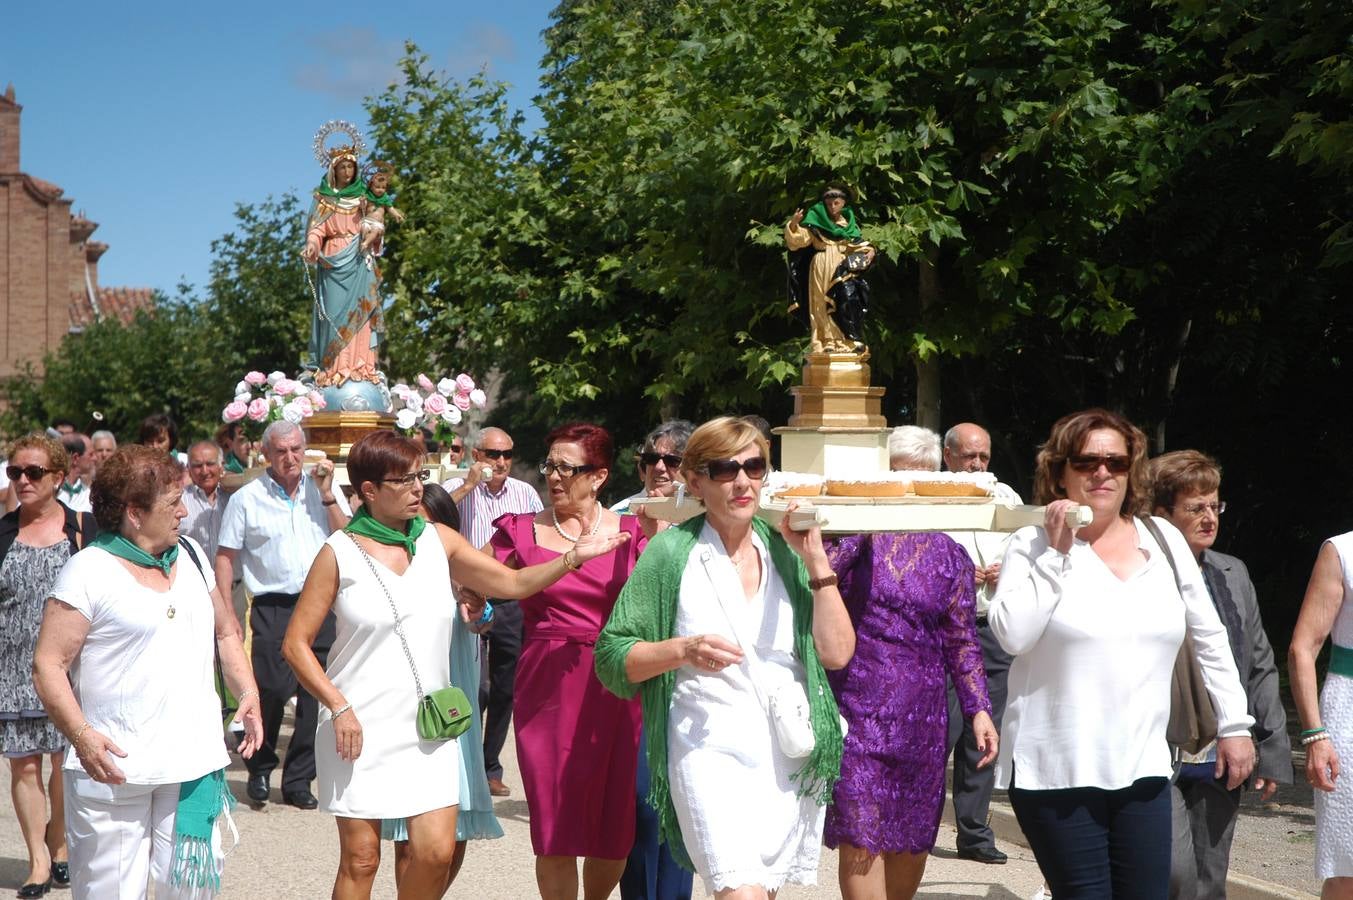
(722, 611)
(35, 541)
(1095, 619)
(577, 745)
(371, 762)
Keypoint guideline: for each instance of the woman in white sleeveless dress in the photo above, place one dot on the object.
(388, 562)
(1328, 723)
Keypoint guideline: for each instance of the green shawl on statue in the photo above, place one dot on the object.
(646, 611)
(818, 217)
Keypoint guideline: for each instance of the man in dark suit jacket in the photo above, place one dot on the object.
(1186, 486)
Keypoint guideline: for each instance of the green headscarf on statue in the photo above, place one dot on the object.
(818, 217)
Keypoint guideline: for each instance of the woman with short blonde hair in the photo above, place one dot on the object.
(721, 614)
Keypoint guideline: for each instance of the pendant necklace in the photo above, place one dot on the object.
(570, 538)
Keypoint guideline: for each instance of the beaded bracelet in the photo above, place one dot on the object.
(342, 709)
(249, 693)
(79, 733)
(1308, 741)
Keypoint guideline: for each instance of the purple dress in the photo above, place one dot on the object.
(910, 597)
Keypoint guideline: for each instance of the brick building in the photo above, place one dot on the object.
(49, 267)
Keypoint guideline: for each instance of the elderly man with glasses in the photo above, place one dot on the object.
(275, 526)
(487, 492)
(1186, 489)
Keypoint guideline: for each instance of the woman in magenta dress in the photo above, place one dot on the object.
(911, 599)
(577, 743)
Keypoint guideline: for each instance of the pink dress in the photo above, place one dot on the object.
(577, 743)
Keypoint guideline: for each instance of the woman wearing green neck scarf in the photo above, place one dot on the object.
(125, 668)
(827, 253)
(387, 579)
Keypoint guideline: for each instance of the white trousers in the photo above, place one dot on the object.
(121, 837)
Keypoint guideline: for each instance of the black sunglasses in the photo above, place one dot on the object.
(651, 459)
(406, 480)
(32, 473)
(497, 454)
(727, 469)
(457, 448)
(1086, 464)
(565, 470)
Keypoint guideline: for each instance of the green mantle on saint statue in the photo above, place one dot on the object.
(351, 192)
(819, 218)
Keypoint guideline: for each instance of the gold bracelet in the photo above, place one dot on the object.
(79, 733)
(574, 565)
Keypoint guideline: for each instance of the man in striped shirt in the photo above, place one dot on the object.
(490, 492)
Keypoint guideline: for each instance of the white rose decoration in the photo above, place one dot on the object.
(244, 397)
(242, 388)
(451, 416)
(446, 387)
(274, 377)
(478, 398)
(406, 419)
(414, 403)
(293, 414)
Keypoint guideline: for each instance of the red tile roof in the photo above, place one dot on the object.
(125, 302)
(121, 303)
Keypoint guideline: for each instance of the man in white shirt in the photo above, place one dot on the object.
(967, 448)
(205, 503)
(482, 498)
(75, 491)
(275, 526)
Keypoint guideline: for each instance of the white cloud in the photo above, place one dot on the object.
(349, 63)
(480, 46)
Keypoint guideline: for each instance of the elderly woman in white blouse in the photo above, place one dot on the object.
(1095, 618)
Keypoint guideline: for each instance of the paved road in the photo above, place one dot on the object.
(287, 853)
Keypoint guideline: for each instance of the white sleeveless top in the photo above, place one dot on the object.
(397, 774)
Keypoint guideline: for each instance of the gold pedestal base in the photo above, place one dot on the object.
(836, 394)
(335, 432)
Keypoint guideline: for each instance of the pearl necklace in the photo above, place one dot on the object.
(570, 538)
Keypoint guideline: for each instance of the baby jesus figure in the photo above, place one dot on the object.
(374, 206)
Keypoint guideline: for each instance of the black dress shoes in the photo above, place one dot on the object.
(61, 874)
(301, 799)
(258, 788)
(989, 855)
(35, 889)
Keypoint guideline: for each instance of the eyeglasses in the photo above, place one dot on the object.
(32, 473)
(651, 459)
(406, 480)
(457, 448)
(1087, 465)
(565, 470)
(497, 454)
(1197, 509)
(728, 469)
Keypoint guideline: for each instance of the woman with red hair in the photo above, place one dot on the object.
(577, 744)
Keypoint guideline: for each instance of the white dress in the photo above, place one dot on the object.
(741, 817)
(1334, 811)
(397, 774)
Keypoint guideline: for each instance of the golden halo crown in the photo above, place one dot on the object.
(328, 156)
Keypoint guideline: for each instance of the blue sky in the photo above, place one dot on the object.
(157, 118)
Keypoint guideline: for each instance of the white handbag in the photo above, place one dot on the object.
(787, 706)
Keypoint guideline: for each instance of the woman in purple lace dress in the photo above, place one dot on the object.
(910, 598)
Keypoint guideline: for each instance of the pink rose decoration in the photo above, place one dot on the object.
(303, 404)
(425, 383)
(464, 383)
(435, 404)
(285, 387)
(258, 409)
(478, 398)
(461, 400)
(234, 411)
(256, 378)
(317, 400)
